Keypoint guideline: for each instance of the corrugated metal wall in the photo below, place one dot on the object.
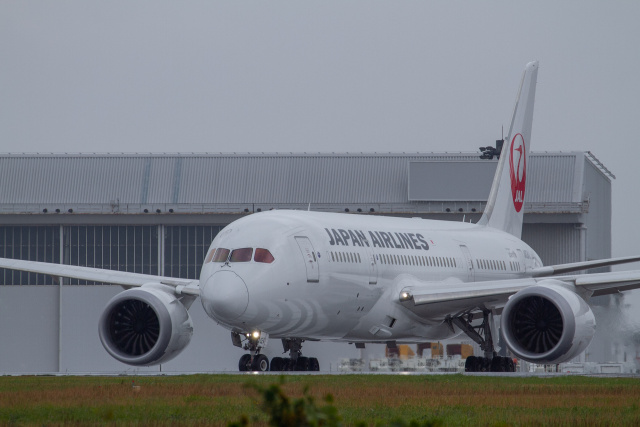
(597, 190)
(555, 243)
(277, 179)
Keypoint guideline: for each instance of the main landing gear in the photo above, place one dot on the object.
(296, 361)
(254, 361)
(481, 334)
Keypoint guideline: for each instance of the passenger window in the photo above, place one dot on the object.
(359, 259)
(221, 255)
(210, 255)
(263, 255)
(332, 257)
(241, 255)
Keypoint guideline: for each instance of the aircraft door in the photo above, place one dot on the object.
(310, 260)
(469, 261)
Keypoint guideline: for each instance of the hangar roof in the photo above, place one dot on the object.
(232, 183)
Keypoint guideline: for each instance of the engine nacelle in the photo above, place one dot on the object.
(547, 323)
(145, 326)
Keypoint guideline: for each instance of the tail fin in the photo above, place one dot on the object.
(504, 208)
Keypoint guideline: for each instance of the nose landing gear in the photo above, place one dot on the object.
(253, 342)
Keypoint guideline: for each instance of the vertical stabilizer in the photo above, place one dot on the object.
(505, 206)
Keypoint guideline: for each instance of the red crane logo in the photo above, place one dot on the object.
(518, 171)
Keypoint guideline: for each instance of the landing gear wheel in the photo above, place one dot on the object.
(470, 364)
(497, 364)
(286, 364)
(302, 364)
(314, 365)
(245, 363)
(511, 365)
(260, 363)
(277, 364)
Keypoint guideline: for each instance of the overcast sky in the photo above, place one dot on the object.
(325, 76)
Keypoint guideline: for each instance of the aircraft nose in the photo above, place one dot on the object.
(225, 295)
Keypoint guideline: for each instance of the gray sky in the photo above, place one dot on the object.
(157, 76)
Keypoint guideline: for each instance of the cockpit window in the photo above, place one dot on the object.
(210, 255)
(241, 255)
(263, 255)
(221, 255)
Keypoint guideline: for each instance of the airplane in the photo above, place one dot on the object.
(303, 276)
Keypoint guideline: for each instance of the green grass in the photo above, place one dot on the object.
(221, 399)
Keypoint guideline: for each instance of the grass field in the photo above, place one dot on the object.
(220, 399)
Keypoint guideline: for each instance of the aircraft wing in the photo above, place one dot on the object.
(550, 270)
(437, 299)
(183, 286)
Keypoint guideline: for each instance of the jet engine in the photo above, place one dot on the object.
(145, 326)
(547, 323)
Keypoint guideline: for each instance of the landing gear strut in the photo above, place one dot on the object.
(481, 334)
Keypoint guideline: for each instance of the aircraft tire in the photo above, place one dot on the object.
(302, 364)
(497, 364)
(314, 365)
(260, 363)
(245, 363)
(470, 364)
(277, 364)
(511, 365)
(286, 364)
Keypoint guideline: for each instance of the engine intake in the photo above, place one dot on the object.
(145, 326)
(547, 323)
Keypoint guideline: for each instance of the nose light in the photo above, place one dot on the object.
(405, 296)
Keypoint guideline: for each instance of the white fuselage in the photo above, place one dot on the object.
(330, 272)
